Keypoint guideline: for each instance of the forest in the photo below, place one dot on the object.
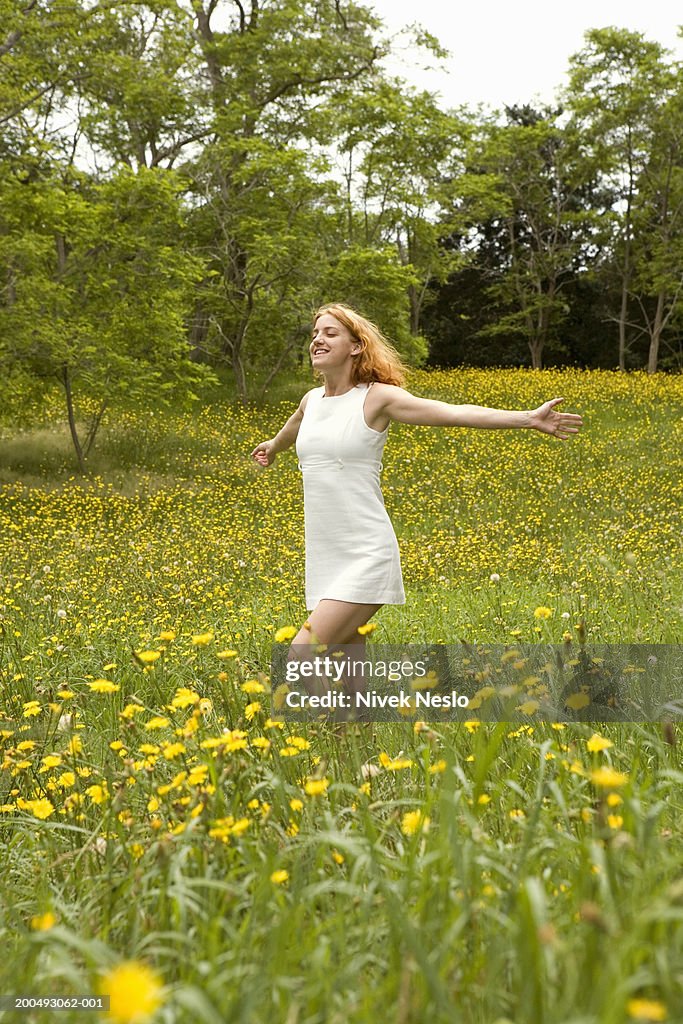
(183, 182)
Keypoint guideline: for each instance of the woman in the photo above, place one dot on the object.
(340, 428)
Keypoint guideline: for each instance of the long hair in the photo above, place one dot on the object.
(378, 359)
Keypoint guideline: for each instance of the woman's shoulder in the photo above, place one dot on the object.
(311, 391)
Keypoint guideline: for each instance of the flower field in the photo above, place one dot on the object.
(167, 841)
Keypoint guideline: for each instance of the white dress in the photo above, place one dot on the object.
(351, 549)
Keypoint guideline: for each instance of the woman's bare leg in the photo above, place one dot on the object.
(335, 623)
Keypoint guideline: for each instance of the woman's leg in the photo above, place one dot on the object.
(335, 623)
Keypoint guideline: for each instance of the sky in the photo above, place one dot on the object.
(512, 51)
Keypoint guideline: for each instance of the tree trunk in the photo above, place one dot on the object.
(72, 419)
(656, 334)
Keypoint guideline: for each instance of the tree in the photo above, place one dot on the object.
(617, 85)
(98, 291)
(527, 177)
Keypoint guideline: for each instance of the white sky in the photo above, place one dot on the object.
(510, 51)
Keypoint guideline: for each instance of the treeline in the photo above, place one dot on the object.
(183, 181)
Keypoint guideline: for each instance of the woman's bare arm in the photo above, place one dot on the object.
(265, 452)
(401, 406)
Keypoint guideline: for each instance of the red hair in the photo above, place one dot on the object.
(378, 359)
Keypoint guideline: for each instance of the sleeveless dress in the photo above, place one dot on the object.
(351, 549)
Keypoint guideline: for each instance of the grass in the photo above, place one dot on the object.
(482, 872)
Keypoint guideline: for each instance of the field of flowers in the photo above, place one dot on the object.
(167, 841)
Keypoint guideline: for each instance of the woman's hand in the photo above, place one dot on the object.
(559, 424)
(263, 453)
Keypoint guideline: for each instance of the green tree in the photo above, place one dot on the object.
(617, 87)
(98, 292)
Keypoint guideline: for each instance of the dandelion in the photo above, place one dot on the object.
(412, 821)
(31, 708)
(41, 809)
(252, 710)
(279, 877)
(103, 686)
(227, 654)
(394, 764)
(368, 628)
(608, 778)
(615, 820)
(202, 639)
(285, 633)
(646, 1009)
(167, 634)
(316, 787)
(597, 743)
(147, 657)
(43, 922)
(134, 990)
(542, 612)
(494, 577)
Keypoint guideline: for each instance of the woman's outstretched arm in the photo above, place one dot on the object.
(265, 452)
(401, 406)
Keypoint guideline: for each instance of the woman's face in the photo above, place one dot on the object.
(333, 345)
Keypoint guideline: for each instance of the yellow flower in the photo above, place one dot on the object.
(31, 708)
(65, 694)
(184, 698)
(438, 767)
(615, 820)
(43, 922)
(285, 633)
(252, 686)
(98, 794)
(608, 777)
(394, 764)
(202, 639)
(148, 657)
(646, 1009)
(337, 857)
(598, 742)
(369, 627)
(103, 686)
(134, 990)
(279, 877)
(613, 800)
(227, 654)
(158, 722)
(315, 787)
(296, 804)
(167, 634)
(484, 799)
(252, 709)
(542, 612)
(40, 808)
(171, 750)
(412, 821)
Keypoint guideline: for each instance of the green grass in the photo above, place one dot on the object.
(518, 888)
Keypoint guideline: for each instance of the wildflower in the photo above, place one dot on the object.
(542, 612)
(98, 794)
(148, 657)
(227, 654)
(412, 821)
(279, 877)
(167, 634)
(252, 710)
(494, 577)
(394, 764)
(252, 686)
(597, 742)
(285, 633)
(134, 990)
(646, 1009)
(316, 787)
(337, 857)
(202, 639)
(31, 709)
(41, 809)
(368, 628)
(438, 767)
(615, 820)
(43, 922)
(103, 686)
(608, 777)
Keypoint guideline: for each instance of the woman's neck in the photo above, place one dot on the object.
(334, 387)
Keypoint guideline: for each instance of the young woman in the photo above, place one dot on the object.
(340, 429)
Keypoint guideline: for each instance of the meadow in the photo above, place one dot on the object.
(167, 840)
